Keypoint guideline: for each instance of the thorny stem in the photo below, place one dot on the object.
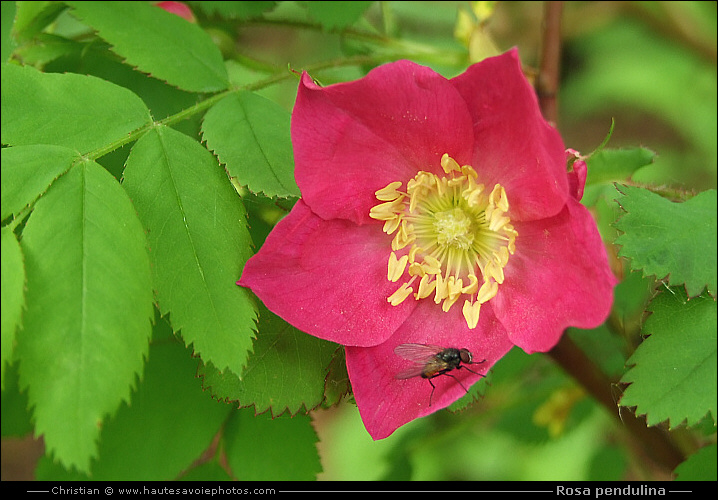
(655, 443)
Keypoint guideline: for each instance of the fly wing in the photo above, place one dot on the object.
(411, 372)
(418, 353)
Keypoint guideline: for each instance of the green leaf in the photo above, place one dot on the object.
(674, 377)
(32, 17)
(16, 417)
(197, 231)
(158, 43)
(336, 15)
(13, 294)
(475, 393)
(76, 111)
(609, 165)
(46, 48)
(337, 384)
(285, 373)
(677, 240)
(27, 172)
(260, 448)
(169, 418)
(207, 471)
(250, 134)
(7, 18)
(89, 309)
(701, 466)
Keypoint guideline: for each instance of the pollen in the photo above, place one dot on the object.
(452, 238)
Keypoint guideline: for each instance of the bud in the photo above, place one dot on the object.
(179, 9)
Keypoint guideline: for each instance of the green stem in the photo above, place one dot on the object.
(204, 105)
(387, 17)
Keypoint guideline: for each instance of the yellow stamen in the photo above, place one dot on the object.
(471, 313)
(386, 211)
(389, 193)
(392, 225)
(400, 295)
(451, 236)
(396, 266)
(427, 285)
(473, 285)
(487, 291)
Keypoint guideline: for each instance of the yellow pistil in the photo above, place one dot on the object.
(452, 238)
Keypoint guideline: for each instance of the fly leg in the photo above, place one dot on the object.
(433, 388)
(446, 372)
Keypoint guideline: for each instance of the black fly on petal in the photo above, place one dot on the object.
(430, 361)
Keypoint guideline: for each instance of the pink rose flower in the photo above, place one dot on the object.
(434, 211)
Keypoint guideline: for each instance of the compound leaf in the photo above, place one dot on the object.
(169, 418)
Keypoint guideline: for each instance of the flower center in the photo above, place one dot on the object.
(453, 228)
(453, 238)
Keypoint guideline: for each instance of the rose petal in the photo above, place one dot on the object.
(327, 278)
(559, 277)
(352, 139)
(386, 403)
(514, 145)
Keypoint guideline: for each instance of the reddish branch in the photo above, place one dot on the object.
(655, 443)
(547, 81)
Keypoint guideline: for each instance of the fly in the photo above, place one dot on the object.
(430, 361)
